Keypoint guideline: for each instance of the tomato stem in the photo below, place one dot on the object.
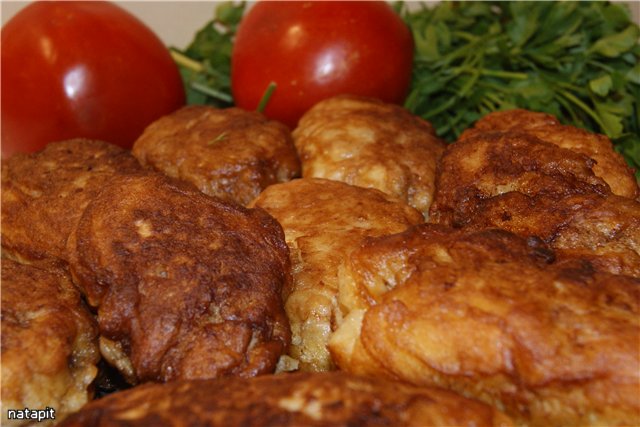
(266, 96)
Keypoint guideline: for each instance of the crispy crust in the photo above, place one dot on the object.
(368, 143)
(603, 230)
(323, 221)
(186, 285)
(478, 168)
(517, 182)
(492, 316)
(610, 166)
(49, 341)
(44, 194)
(229, 153)
(301, 399)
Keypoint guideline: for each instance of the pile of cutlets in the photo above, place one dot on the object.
(355, 271)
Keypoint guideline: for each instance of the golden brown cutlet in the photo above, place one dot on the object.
(519, 183)
(44, 194)
(229, 153)
(603, 230)
(610, 165)
(301, 399)
(49, 341)
(490, 164)
(492, 316)
(368, 143)
(323, 221)
(186, 285)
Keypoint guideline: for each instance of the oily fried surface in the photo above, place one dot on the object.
(301, 399)
(49, 341)
(490, 164)
(520, 183)
(44, 194)
(323, 221)
(229, 153)
(603, 230)
(610, 166)
(186, 285)
(607, 233)
(368, 143)
(492, 316)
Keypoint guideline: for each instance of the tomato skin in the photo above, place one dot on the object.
(315, 50)
(82, 69)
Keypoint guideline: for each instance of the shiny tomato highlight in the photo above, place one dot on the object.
(316, 49)
(82, 69)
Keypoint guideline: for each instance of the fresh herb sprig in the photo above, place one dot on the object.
(575, 60)
(205, 65)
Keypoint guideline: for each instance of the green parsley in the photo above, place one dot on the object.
(575, 60)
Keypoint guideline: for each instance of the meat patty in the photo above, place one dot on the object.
(229, 153)
(301, 399)
(522, 184)
(186, 285)
(609, 165)
(323, 221)
(492, 316)
(49, 342)
(368, 143)
(603, 230)
(44, 194)
(490, 164)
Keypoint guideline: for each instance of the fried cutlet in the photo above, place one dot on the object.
(49, 342)
(368, 143)
(477, 168)
(610, 166)
(300, 399)
(44, 194)
(186, 285)
(492, 316)
(229, 153)
(323, 221)
(533, 188)
(603, 230)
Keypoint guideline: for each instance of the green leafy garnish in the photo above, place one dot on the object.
(575, 60)
(205, 65)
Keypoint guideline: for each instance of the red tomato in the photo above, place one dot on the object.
(82, 69)
(315, 50)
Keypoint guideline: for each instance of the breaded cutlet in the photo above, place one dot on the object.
(368, 143)
(49, 342)
(44, 193)
(323, 222)
(520, 183)
(229, 153)
(286, 400)
(496, 317)
(609, 165)
(186, 285)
